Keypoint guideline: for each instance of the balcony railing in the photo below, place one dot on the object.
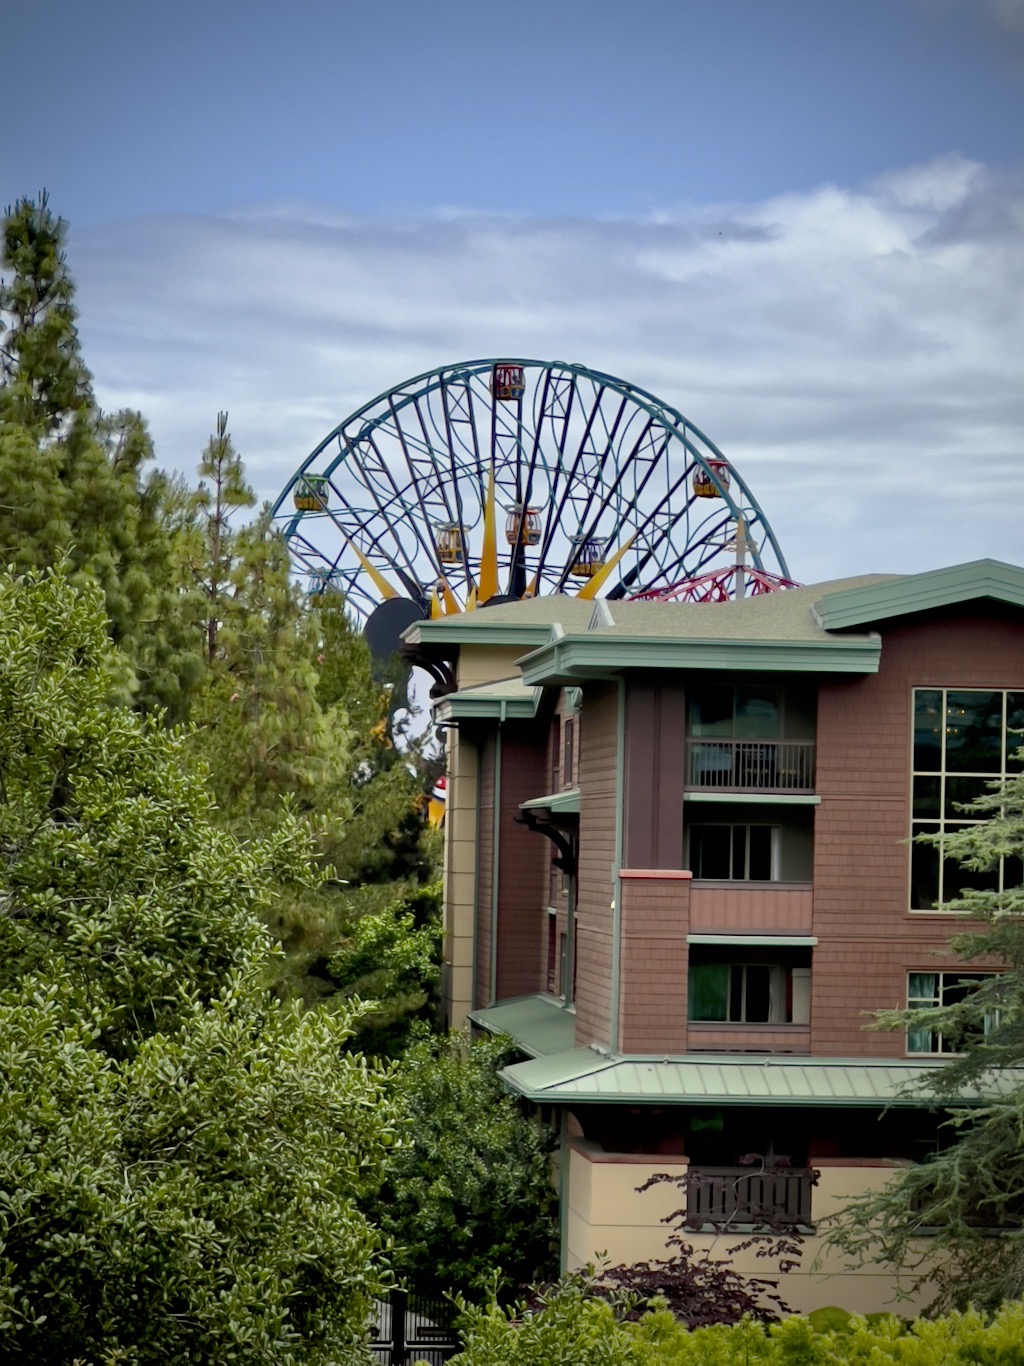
(738, 1196)
(751, 765)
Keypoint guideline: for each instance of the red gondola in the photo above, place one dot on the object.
(508, 383)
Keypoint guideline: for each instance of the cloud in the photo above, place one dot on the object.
(855, 351)
(1009, 14)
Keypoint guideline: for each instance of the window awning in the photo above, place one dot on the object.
(565, 803)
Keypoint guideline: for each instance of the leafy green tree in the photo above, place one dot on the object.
(470, 1188)
(956, 1220)
(181, 1156)
(390, 959)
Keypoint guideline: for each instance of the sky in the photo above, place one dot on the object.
(799, 222)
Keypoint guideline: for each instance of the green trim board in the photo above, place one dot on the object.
(504, 700)
(530, 621)
(959, 583)
(541, 1025)
(558, 803)
(571, 659)
(587, 1075)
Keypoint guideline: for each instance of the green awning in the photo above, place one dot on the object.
(558, 803)
(540, 1025)
(585, 1075)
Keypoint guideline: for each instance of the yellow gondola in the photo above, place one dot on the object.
(522, 526)
(508, 383)
(703, 484)
(587, 558)
(310, 494)
(449, 544)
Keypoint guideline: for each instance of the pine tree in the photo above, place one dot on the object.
(955, 1221)
(74, 482)
(46, 384)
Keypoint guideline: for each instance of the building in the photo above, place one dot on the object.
(678, 874)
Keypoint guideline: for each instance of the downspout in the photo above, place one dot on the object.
(620, 777)
(495, 860)
(474, 987)
(563, 1191)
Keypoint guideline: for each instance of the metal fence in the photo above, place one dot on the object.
(412, 1328)
(751, 765)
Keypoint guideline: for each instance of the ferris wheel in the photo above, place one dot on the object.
(494, 480)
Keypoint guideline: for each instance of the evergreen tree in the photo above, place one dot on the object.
(73, 481)
(956, 1220)
(46, 385)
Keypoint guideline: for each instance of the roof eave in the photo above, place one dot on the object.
(575, 658)
(936, 588)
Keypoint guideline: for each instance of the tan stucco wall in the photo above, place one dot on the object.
(606, 1216)
(487, 663)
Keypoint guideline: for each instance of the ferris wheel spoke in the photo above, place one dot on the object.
(428, 490)
(558, 414)
(519, 526)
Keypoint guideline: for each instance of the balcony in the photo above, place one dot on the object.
(739, 1197)
(750, 765)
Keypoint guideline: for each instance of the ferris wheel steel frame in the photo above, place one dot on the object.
(598, 460)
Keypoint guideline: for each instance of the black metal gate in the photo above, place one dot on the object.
(412, 1328)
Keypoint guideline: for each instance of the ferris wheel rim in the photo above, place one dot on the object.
(434, 472)
(667, 414)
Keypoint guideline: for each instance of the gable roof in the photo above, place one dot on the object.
(861, 605)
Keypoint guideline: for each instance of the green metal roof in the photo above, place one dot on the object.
(540, 1025)
(585, 1075)
(859, 606)
(558, 803)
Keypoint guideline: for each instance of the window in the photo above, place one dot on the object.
(568, 751)
(734, 853)
(740, 993)
(963, 740)
(929, 990)
(749, 985)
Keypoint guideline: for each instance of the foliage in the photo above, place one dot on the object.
(72, 480)
(390, 960)
(470, 1189)
(574, 1326)
(45, 381)
(955, 1221)
(181, 1156)
(384, 838)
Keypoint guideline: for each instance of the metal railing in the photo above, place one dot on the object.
(739, 1196)
(751, 765)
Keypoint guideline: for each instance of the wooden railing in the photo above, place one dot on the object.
(738, 1196)
(751, 765)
